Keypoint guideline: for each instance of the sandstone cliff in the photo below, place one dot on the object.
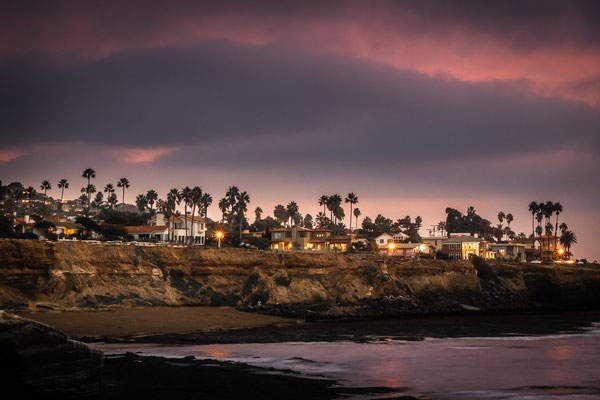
(67, 275)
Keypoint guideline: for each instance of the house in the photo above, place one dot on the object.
(297, 236)
(532, 247)
(408, 250)
(548, 246)
(148, 232)
(384, 240)
(464, 246)
(400, 237)
(182, 227)
(434, 241)
(331, 243)
(65, 228)
(508, 251)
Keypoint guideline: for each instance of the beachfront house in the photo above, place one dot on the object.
(463, 246)
(384, 240)
(508, 251)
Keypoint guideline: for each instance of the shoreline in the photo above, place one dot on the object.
(134, 322)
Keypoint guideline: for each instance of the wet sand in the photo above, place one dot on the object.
(127, 322)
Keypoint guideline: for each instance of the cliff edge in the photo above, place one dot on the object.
(66, 275)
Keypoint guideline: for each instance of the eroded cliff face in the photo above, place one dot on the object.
(67, 275)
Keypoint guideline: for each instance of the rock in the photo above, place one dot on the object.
(40, 362)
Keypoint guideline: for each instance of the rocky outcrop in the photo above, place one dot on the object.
(36, 274)
(40, 362)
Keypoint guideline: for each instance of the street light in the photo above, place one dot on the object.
(561, 252)
(219, 235)
(391, 247)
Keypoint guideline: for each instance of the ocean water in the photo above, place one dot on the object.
(560, 365)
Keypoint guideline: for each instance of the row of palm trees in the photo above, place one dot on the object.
(234, 206)
(542, 213)
(336, 212)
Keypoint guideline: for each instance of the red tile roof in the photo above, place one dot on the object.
(178, 219)
(145, 229)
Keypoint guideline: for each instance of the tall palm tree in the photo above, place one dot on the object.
(196, 202)
(88, 174)
(292, 210)
(173, 200)
(334, 203)
(323, 202)
(223, 206)
(88, 191)
(231, 196)
(548, 211)
(186, 197)
(563, 227)
(97, 202)
(533, 209)
(205, 200)
(62, 185)
(356, 213)
(558, 208)
(123, 183)
(151, 197)
(241, 206)
(352, 199)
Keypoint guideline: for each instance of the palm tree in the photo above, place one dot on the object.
(97, 202)
(88, 191)
(356, 215)
(173, 200)
(533, 209)
(45, 186)
(323, 202)
(241, 206)
(186, 197)
(223, 206)
(442, 226)
(112, 201)
(123, 183)
(352, 199)
(62, 185)
(292, 210)
(231, 196)
(141, 202)
(151, 197)
(88, 174)
(558, 208)
(109, 189)
(196, 202)
(563, 227)
(258, 213)
(548, 209)
(334, 203)
(205, 200)
(567, 239)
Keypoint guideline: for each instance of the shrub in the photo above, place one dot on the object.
(484, 271)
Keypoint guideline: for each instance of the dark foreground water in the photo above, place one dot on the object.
(559, 363)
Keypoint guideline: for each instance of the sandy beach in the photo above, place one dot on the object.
(123, 322)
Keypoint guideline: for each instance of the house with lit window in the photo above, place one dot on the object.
(297, 236)
(464, 246)
(434, 241)
(508, 251)
(532, 247)
(384, 240)
(407, 250)
(181, 227)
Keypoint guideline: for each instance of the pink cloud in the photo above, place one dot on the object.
(140, 155)
(11, 154)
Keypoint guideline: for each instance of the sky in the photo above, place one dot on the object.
(413, 105)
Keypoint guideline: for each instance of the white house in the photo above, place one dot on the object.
(509, 251)
(383, 240)
(177, 225)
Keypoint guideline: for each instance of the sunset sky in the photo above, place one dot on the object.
(413, 105)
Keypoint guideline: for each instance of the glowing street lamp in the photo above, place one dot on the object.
(561, 252)
(391, 247)
(422, 248)
(219, 235)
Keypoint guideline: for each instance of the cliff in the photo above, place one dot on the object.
(35, 274)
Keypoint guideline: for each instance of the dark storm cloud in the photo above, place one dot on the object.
(105, 26)
(225, 92)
